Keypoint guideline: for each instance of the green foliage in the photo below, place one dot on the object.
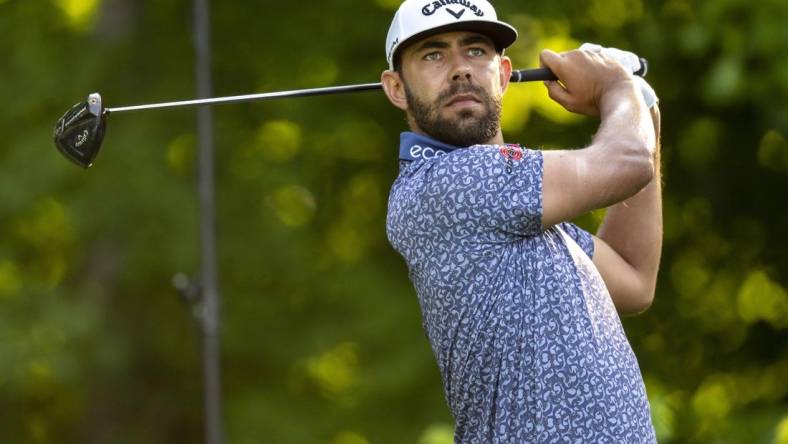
(321, 338)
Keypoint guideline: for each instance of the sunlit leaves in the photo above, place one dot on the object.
(677, 9)
(48, 229)
(279, 140)
(773, 151)
(363, 198)
(713, 398)
(517, 104)
(294, 205)
(689, 274)
(724, 80)
(389, 4)
(47, 226)
(318, 70)
(614, 13)
(79, 13)
(357, 139)
(180, 153)
(334, 370)
(694, 39)
(438, 434)
(663, 409)
(349, 438)
(274, 142)
(781, 433)
(521, 100)
(10, 280)
(760, 298)
(346, 242)
(700, 143)
(721, 396)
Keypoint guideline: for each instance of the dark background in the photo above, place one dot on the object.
(322, 338)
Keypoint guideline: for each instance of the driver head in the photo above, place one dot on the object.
(78, 134)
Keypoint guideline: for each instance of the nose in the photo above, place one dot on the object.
(462, 74)
(461, 71)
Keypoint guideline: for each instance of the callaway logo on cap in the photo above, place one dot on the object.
(417, 19)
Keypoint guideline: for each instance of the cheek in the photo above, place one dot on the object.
(425, 92)
(496, 81)
(414, 83)
(486, 74)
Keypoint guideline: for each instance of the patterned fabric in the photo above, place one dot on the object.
(528, 342)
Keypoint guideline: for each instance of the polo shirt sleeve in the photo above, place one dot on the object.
(582, 237)
(487, 188)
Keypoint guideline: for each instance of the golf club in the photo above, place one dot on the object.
(79, 132)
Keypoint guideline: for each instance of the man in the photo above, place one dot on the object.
(520, 305)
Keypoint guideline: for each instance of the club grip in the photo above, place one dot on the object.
(532, 75)
(541, 74)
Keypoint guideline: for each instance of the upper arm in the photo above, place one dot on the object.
(578, 181)
(629, 292)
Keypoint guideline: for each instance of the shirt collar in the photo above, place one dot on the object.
(414, 146)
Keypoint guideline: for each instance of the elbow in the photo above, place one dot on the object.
(639, 305)
(637, 301)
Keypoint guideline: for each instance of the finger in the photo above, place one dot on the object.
(551, 60)
(557, 92)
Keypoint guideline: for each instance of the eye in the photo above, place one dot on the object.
(432, 56)
(476, 52)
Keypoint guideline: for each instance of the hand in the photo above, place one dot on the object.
(631, 62)
(586, 79)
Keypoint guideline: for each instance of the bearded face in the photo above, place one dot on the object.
(460, 126)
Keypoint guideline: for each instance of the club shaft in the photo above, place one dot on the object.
(253, 97)
(517, 76)
(523, 75)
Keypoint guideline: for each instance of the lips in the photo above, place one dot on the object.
(463, 99)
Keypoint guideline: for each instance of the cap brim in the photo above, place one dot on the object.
(502, 34)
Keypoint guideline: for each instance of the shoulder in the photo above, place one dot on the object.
(483, 160)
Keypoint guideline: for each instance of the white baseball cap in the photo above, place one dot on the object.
(416, 19)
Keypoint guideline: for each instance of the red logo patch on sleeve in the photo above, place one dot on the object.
(512, 152)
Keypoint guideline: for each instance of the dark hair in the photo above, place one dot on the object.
(397, 60)
(397, 64)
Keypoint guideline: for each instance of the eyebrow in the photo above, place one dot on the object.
(478, 38)
(466, 41)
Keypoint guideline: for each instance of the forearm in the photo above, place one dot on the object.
(633, 229)
(623, 147)
(624, 116)
(614, 167)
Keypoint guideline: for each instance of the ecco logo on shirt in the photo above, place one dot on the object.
(426, 153)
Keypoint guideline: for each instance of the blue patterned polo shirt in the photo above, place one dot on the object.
(528, 342)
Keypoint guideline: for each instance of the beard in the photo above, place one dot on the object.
(467, 128)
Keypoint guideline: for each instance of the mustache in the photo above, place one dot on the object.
(462, 88)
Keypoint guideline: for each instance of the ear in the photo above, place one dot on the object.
(394, 88)
(505, 72)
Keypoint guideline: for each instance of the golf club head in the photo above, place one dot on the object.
(78, 134)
